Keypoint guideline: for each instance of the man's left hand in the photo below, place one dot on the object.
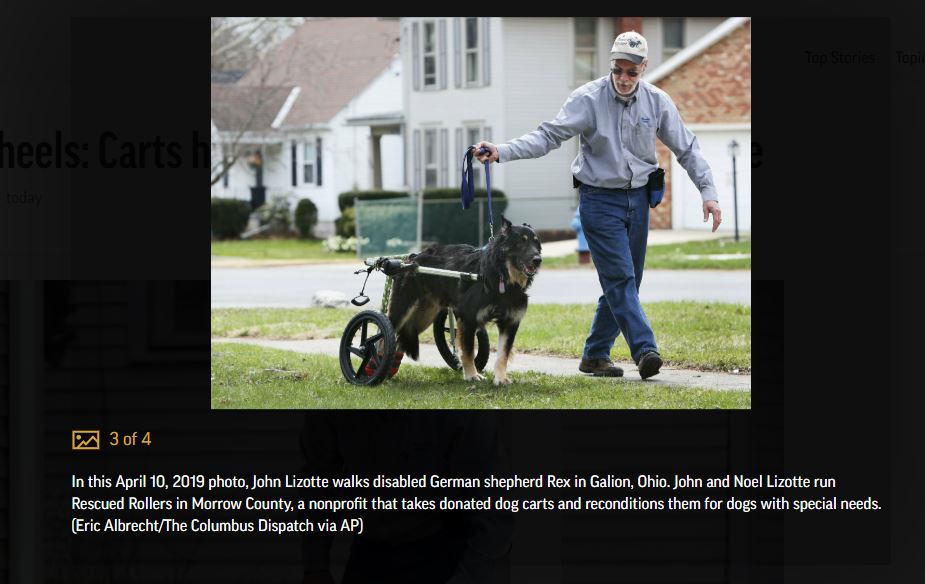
(712, 208)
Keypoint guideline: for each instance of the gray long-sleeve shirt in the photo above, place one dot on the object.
(616, 140)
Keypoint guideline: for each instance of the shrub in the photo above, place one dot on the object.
(275, 213)
(345, 200)
(306, 217)
(346, 224)
(229, 217)
(453, 193)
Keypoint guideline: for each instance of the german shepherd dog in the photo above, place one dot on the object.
(506, 269)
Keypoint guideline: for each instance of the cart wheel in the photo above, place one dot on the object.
(367, 348)
(446, 343)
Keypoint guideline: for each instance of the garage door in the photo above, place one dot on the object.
(687, 206)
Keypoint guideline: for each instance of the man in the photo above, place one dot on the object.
(617, 119)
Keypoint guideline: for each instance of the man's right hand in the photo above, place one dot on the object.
(491, 156)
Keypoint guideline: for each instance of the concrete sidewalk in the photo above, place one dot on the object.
(527, 362)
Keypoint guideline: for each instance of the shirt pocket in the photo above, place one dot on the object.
(642, 139)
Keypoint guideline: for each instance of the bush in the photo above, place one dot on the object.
(306, 217)
(345, 200)
(275, 213)
(229, 217)
(453, 193)
(346, 224)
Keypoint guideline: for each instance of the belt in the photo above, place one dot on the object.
(626, 190)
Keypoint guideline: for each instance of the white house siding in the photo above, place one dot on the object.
(392, 154)
(383, 95)
(453, 108)
(539, 76)
(346, 158)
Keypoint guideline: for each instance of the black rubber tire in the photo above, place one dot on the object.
(447, 345)
(358, 344)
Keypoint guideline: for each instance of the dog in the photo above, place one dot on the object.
(506, 268)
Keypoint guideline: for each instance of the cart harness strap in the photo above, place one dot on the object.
(467, 193)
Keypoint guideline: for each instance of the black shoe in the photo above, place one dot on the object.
(649, 364)
(600, 368)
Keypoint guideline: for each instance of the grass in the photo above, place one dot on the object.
(279, 249)
(249, 377)
(280, 323)
(671, 256)
(666, 257)
(692, 335)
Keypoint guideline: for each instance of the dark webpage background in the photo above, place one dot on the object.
(121, 342)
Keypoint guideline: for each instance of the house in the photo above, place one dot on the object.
(710, 82)
(320, 115)
(470, 78)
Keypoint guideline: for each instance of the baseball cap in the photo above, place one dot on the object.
(630, 46)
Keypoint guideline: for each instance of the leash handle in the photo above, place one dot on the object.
(467, 193)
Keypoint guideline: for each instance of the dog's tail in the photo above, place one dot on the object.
(408, 342)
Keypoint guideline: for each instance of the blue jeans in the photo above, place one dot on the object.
(616, 223)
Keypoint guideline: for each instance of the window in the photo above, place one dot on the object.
(430, 55)
(430, 159)
(672, 36)
(586, 68)
(309, 157)
(472, 51)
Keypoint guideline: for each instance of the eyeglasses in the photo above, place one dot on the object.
(619, 72)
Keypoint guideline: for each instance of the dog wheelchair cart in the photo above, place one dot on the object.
(368, 347)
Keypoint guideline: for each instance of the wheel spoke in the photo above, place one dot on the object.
(372, 341)
(363, 365)
(363, 334)
(359, 351)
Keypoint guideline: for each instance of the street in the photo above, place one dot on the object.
(294, 286)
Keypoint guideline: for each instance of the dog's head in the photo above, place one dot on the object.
(521, 249)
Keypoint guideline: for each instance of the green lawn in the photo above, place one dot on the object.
(278, 249)
(696, 335)
(251, 377)
(669, 256)
(281, 323)
(672, 256)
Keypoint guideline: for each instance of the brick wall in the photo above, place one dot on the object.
(627, 23)
(715, 87)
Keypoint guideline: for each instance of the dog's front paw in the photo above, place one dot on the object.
(503, 380)
(474, 377)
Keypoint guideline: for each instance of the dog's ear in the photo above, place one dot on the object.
(505, 225)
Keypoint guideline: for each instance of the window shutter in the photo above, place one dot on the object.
(444, 157)
(441, 42)
(295, 165)
(486, 51)
(417, 161)
(460, 149)
(415, 56)
(457, 51)
(318, 161)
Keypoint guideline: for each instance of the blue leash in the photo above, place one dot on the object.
(467, 194)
